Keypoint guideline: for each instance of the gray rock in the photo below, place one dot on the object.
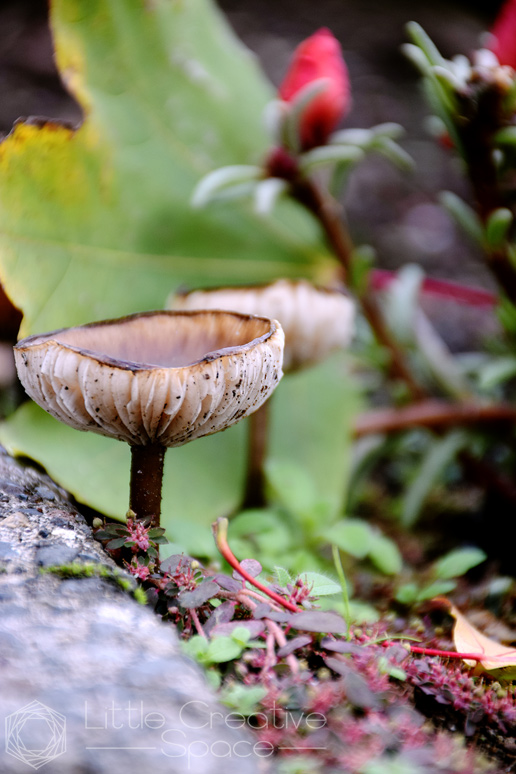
(6, 551)
(91, 681)
(55, 554)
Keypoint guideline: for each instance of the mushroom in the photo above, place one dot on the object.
(154, 380)
(315, 320)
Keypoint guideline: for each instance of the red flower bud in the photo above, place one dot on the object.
(319, 56)
(504, 35)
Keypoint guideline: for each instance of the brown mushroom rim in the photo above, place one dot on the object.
(163, 339)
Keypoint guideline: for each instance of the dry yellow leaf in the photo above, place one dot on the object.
(498, 660)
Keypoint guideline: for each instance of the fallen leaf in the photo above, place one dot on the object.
(498, 660)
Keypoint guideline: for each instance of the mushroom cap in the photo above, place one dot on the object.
(157, 377)
(316, 320)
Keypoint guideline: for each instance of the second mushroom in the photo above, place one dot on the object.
(316, 321)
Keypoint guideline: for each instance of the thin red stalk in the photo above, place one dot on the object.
(453, 291)
(271, 659)
(446, 653)
(282, 641)
(259, 597)
(197, 623)
(431, 414)
(220, 528)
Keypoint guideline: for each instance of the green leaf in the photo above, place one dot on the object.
(220, 179)
(196, 647)
(241, 635)
(330, 154)
(321, 585)
(506, 136)
(435, 589)
(291, 486)
(449, 81)
(263, 531)
(464, 215)
(353, 536)
(267, 193)
(403, 302)
(97, 223)
(118, 543)
(407, 593)
(458, 562)
(425, 43)
(282, 576)
(223, 649)
(417, 57)
(440, 454)
(388, 129)
(394, 153)
(441, 365)
(243, 698)
(497, 371)
(362, 138)
(497, 227)
(385, 554)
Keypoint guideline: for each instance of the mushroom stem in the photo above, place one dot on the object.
(146, 481)
(254, 493)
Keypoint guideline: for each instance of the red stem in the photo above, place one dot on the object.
(220, 528)
(453, 291)
(431, 414)
(446, 653)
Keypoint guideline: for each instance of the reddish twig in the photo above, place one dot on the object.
(220, 531)
(446, 653)
(431, 414)
(436, 652)
(282, 641)
(197, 623)
(329, 213)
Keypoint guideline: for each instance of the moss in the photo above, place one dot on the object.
(94, 570)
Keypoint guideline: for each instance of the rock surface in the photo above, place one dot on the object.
(91, 681)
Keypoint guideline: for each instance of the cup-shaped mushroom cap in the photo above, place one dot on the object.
(316, 320)
(154, 378)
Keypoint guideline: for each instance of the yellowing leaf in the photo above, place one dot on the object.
(499, 660)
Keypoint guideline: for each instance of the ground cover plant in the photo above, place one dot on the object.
(333, 638)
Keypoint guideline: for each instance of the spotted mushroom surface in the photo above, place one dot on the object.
(316, 320)
(156, 377)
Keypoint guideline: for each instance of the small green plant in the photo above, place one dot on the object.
(440, 577)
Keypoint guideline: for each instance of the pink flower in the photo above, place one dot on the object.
(319, 56)
(140, 571)
(504, 35)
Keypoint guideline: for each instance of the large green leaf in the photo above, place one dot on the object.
(96, 223)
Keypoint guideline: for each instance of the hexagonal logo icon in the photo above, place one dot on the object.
(35, 734)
